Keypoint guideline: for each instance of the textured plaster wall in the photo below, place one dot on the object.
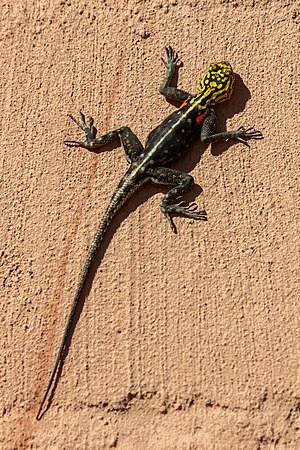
(187, 341)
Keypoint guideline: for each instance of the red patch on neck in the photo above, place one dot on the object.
(201, 116)
(185, 103)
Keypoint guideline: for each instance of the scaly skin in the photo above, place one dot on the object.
(196, 118)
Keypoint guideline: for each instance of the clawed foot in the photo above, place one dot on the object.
(243, 133)
(185, 209)
(172, 59)
(88, 129)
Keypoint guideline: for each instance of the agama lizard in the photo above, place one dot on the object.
(195, 118)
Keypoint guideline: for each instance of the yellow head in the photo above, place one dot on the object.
(216, 85)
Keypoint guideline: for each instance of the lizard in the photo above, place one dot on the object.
(194, 119)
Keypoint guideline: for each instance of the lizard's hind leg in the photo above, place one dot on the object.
(181, 182)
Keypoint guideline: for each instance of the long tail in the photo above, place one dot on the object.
(124, 190)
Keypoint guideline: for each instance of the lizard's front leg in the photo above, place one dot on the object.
(165, 89)
(181, 182)
(241, 134)
(130, 142)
